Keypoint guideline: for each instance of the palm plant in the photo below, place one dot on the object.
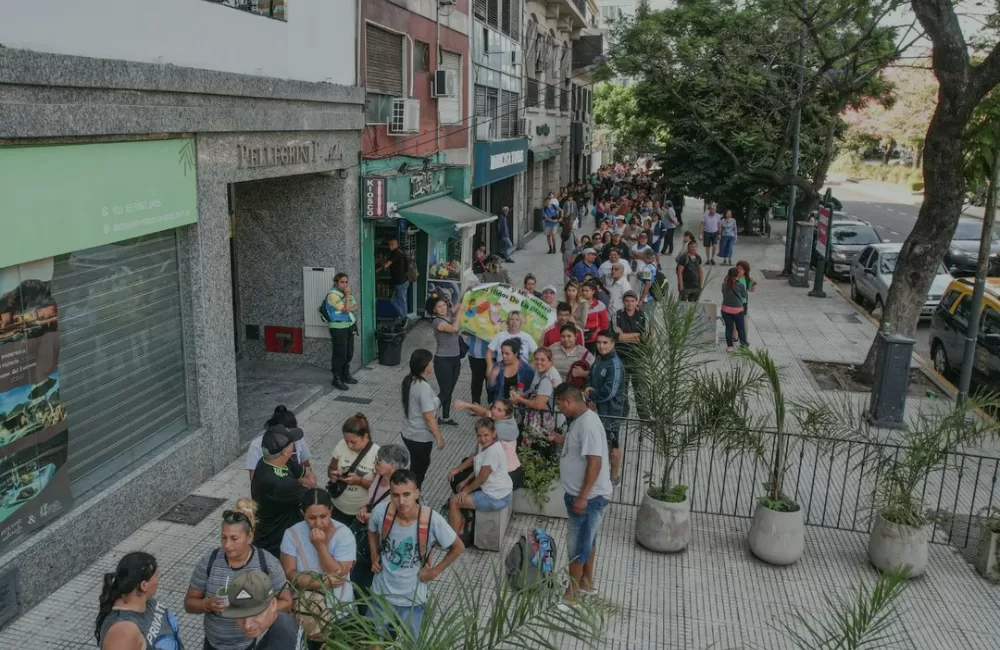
(666, 368)
(864, 621)
(476, 614)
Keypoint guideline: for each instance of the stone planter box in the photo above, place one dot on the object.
(777, 537)
(663, 526)
(892, 546)
(987, 560)
(555, 507)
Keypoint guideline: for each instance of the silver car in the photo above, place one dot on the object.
(871, 277)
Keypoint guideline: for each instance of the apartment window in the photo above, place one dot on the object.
(564, 98)
(271, 8)
(383, 73)
(450, 108)
(532, 99)
(480, 9)
(504, 15)
(421, 56)
(550, 96)
(493, 13)
(509, 113)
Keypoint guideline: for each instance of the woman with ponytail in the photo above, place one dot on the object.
(420, 406)
(129, 617)
(353, 460)
(285, 418)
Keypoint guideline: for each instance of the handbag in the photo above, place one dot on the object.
(314, 610)
(337, 488)
(361, 574)
(463, 347)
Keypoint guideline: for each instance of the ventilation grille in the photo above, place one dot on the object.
(316, 283)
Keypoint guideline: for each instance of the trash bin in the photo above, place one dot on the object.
(390, 342)
(780, 211)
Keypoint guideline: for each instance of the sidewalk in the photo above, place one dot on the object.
(714, 593)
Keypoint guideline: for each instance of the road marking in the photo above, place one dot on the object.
(894, 232)
(878, 225)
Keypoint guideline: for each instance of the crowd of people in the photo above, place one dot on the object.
(368, 530)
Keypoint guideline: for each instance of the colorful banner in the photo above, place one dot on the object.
(485, 309)
(76, 196)
(34, 482)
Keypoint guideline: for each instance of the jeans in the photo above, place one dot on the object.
(739, 321)
(582, 536)
(420, 457)
(726, 246)
(411, 616)
(447, 370)
(399, 296)
(668, 241)
(478, 369)
(505, 247)
(342, 351)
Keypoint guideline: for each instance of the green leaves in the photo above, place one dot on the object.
(864, 621)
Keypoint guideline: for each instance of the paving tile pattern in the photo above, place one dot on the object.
(713, 595)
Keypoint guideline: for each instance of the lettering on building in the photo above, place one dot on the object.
(425, 183)
(506, 159)
(296, 153)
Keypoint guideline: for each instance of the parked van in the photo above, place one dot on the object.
(949, 326)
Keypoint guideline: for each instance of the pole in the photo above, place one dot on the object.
(793, 191)
(982, 267)
(827, 205)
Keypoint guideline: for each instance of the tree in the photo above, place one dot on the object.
(617, 108)
(721, 75)
(963, 84)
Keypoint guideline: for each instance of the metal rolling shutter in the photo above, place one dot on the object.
(383, 61)
(121, 360)
(451, 107)
(493, 13)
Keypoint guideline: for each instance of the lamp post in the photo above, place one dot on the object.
(793, 191)
(982, 268)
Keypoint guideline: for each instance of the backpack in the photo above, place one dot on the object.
(411, 271)
(169, 637)
(531, 560)
(423, 530)
(215, 555)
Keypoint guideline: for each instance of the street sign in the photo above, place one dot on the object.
(823, 225)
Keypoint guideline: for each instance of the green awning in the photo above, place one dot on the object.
(545, 152)
(441, 217)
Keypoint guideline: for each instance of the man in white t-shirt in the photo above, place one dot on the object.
(528, 345)
(586, 479)
(709, 232)
(617, 287)
(614, 256)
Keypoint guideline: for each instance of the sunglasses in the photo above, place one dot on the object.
(236, 517)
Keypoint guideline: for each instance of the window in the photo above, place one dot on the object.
(564, 98)
(383, 72)
(962, 310)
(949, 299)
(271, 8)
(532, 99)
(509, 113)
(991, 321)
(854, 235)
(450, 108)
(504, 15)
(493, 13)
(865, 254)
(971, 231)
(550, 96)
(421, 56)
(378, 108)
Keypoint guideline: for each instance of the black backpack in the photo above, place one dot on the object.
(215, 555)
(521, 573)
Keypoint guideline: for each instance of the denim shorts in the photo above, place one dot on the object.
(583, 528)
(486, 503)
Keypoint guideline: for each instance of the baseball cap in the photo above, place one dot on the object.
(278, 437)
(547, 288)
(250, 593)
(589, 251)
(630, 294)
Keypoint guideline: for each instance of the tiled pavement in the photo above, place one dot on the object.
(713, 595)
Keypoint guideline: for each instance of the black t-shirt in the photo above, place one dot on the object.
(690, 272)
(278, 494)
(623, 250)
(625, 324)
(284, 634)
(400, 263)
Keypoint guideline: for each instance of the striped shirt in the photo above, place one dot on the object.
(478, 348)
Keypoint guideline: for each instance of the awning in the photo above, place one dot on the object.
(441, 216)
(545, 152)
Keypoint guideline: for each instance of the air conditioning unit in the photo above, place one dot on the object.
(516, 57)
(444, 84)
(485, 130)
(523, 127)
(405, 116)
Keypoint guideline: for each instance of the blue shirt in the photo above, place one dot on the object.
(400, 555)
(551, 215)
(502, 227)
(478, 348)
(582, 269)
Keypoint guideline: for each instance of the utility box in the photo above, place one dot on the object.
(892, 380)
(802, 254)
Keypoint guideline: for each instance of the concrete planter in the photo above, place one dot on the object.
(987, 560)
(662, 526)
(892, 545)
(777, 537)
(555, 507)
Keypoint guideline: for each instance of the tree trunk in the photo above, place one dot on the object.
(888, 152)
(944, 189)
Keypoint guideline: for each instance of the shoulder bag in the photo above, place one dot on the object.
(337, 488)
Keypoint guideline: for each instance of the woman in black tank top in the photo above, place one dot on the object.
(129, 616)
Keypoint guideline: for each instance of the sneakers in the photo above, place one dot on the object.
(339, 384)
(449, 421)
(348, 379)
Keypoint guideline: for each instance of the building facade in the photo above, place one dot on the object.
(501, 146)
(178, 184)
(416, 173)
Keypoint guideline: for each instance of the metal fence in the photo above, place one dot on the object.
(833, 481)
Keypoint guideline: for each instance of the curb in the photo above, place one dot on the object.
(925, 366)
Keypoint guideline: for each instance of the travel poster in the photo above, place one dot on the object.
(34, 482)
(485, 308)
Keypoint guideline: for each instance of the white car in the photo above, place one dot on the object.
(871, 277)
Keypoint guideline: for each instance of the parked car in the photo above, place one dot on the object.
(960, 258)
(871, 277)
(949, 326)
(848, 238)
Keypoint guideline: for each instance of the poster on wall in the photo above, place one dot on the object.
(34, 482)
(485, 308)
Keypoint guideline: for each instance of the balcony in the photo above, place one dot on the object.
(574, 12)
(588, 50)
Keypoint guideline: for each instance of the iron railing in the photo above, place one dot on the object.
(833, 481)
